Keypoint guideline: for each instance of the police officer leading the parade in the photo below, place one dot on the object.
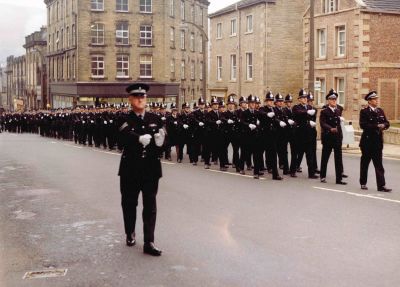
(140, 167)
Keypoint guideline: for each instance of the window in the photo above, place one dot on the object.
(97, 34)
(146, 66)
(122, 33)
(249, 24)
(201, 71)
(172, 67)
(322, 92)
(249, 66)
(183, 39)
(201, 43)
(341, 41)
(192, 42)
(97, 5)
(219, 31)
(68, 38)
(172, 8)
(183, 10)
(145, 6)
(62, 39)
(340, 88)
(192, 70)
(73, 35)
(73, 67)
(122, 66)
(329, 6)
(97, 66)
(201, 16)
(122, 6)
(58, 41)
(219, 68)
(233, 27)
(146, 36)
(233, 67)
(172, 37)
(183, 69)
(321, 34)
(193, 13)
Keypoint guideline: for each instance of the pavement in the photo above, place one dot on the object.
(60, 209)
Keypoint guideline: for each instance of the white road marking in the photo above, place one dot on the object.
(358, 194)
(232, 173)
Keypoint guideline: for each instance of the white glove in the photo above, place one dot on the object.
(92, 122)
(185, 126)
(83, 122)
(313, 124)
(230, 121)
(252, 127)
(201, 124)
(175, 123)
(145, 140)
(291, 122)
(163, 118)
(342, 119)
(258, 123)
(159, 138)
(111, 121)
(282, 124)
(105, 122)
(218, 122)
(271, 114)
(311, 112)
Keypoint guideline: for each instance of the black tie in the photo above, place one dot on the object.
(140, 117)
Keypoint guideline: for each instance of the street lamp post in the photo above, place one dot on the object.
(204, 44)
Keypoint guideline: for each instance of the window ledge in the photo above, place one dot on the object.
(123, 45)
(143, 46)
(98, 78)
(123, 12)
(146, 13)
(97, 45)
(248, 33)
(146, 78)
(123, 78)
(321, 59)
(340, 57)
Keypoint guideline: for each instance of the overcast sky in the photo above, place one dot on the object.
(19, 18)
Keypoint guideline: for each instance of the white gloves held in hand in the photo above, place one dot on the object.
(252, 127)
(218, 122)
(145, 140)
(313, 124)
(230, 121)
(271, 114)
(291, 122)
(342, 119)
(311, 112)
(201, 124)
(282, 124)
(159, 138)
(185, 126)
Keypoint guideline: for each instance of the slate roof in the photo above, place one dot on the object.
(239, 5)
(384, 5)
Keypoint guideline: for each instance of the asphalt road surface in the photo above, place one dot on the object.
(60, 209)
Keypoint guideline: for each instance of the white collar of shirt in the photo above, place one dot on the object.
(140, 114)
(333, 109)
(372, 108)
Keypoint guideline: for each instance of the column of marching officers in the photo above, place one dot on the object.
(261, 135)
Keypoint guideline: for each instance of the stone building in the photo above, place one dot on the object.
(256, 45)
(356, 49)
(96, 48)
(16, 83)
(36, 88)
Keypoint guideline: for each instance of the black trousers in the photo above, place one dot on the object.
(302, 148)
(326, 153)
(130, 189)
(271, 153)
(376, 156)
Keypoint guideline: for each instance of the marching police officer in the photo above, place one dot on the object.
(373, 122)
(140, 167)
(332, 137)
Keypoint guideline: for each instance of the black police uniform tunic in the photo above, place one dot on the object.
(140, 171)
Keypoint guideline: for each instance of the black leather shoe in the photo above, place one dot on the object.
(299, 169)
(384, 189)
(130, 240)
(179, 161)
(242, 172)
(345, 176)
(256, 176)
(249, 168)
(317, 171)
(223, 169)
(341, 182)
(313, 176)
(277, 178)
(261, 173)
(195, 163)
(151, 249)
(293, 175)
(364, 187)
(323, 180)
